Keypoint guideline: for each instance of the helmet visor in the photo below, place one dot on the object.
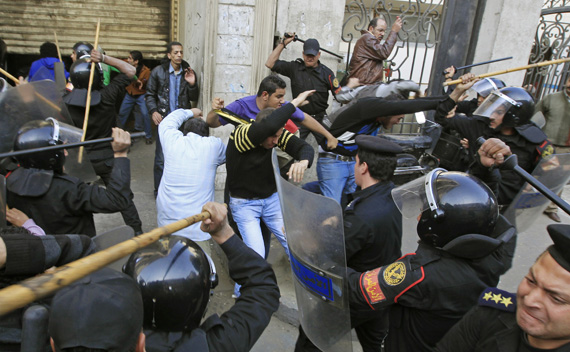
(496, 103)
(410, 198)
(485, 87)
(65, 133)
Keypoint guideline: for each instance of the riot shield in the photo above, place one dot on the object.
(315, 235)
(38, 101)
(529, 203)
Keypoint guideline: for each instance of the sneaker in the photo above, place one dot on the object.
(148, 141)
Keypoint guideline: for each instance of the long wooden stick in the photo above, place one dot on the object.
(44, 99)
(57, 46)
(25, 292)
(526, 67)
(88, 103)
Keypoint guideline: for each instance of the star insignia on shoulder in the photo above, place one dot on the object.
(506, 301)
(498, 299)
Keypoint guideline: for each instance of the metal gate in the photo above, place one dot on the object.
(413, 54)
(550, 43)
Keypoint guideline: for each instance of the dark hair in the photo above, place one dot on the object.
(263, 114)
(374, 22)
(270, 84)
(137, 56)
(48, 49)
(380, 166)
(196, 125)
(170, 45)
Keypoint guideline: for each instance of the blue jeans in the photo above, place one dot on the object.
(127, 106)
(247, 214)
(335, 177)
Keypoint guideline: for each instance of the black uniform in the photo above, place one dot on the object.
(62, 204)
(373, 237)
(304, 78)
(528, 143)
(433, 289)
(490, 327)
(239, 328)
(29, 255)
(102, 118)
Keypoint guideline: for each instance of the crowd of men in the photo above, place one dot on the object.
(442, 297)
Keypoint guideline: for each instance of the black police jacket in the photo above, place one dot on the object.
(62, 204)
(158, 90)
(372, 228)
(490, 327)
(430, 290)
(239, 328)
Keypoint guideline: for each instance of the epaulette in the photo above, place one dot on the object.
(531, 133)
(498, 299)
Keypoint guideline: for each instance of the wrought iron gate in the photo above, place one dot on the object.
(416, 40)
(551, 42)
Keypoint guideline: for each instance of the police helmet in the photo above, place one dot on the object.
(79, 74)
(450, 205)
(82, 49)
(485, 86)
(516, 102)
(175, 277)
(37, 134)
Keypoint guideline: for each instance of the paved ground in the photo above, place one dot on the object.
(281, 334)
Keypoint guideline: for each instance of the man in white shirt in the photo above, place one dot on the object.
(191, 158)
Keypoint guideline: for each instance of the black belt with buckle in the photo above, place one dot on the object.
(336, 156)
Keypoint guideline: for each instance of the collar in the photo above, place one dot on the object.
(359, 195)
(171, 69)
(302, 66)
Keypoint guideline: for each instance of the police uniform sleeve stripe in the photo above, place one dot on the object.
(284, 139)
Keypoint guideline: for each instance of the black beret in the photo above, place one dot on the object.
(378, 145)
(560, 250)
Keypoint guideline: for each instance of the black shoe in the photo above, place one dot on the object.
(148, 141)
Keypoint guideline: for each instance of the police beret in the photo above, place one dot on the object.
(378, 145)
(560, 234)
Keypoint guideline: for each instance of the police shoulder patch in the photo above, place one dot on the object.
(395, 273)
(498, 299)
(335, 83)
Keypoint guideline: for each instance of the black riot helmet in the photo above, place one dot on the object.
(516, 103)
(451, 204)
(175, 277)
(38, 134)
(79, 75)
(82, 49)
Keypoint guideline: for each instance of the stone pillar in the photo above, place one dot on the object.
(507, 29)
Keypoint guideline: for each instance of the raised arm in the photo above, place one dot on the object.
(274, 56)
(124, 67)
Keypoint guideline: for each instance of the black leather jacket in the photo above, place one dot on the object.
(158, 87)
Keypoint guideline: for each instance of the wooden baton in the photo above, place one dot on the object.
(27, 291)
(526, 67)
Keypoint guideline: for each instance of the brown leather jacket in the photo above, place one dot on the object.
(368, 55)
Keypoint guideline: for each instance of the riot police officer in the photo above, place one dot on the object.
(59, 203)
(465, 245)
(175, 277)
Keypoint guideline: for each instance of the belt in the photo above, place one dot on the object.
(336, 156)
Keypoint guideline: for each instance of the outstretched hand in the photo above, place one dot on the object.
(301, 99)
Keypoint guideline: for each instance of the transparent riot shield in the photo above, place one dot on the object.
(315, 236)
(38, 101)
(529, 203)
